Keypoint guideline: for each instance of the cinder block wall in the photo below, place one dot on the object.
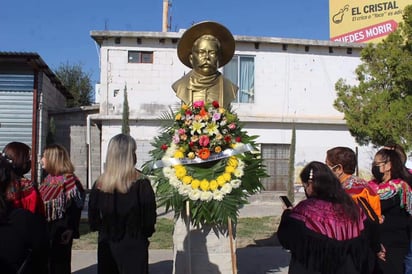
(71, 132)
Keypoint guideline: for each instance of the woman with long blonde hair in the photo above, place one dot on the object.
(122, 209)
(63, 197)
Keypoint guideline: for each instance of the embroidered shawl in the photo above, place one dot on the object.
(358, 188)
(57, 193)
(23, 194)
(391, 188)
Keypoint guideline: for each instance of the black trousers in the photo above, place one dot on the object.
(60, 257)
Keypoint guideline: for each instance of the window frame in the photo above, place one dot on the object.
(141, 57)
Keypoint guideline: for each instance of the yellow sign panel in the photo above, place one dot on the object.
(364, 21)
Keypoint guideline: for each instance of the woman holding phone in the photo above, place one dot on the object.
(327, 232)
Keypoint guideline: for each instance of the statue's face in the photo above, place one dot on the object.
(205, 57)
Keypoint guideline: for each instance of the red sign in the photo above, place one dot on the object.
(368, 33)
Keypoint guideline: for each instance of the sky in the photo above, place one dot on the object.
(59, 31)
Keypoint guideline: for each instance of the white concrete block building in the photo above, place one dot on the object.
(282, 83)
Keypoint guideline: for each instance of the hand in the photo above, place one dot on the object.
(66, 236)
(285, 207)
(382, 253)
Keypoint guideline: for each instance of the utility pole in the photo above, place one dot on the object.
(165, 25)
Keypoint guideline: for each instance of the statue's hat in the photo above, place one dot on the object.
(227, 42)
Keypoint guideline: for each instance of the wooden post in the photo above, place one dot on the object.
(232, 249)
(189, 251)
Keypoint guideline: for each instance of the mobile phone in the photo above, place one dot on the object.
(286, 201)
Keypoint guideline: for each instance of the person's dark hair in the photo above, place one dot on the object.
(5, 181)
(19, 153)
(343, 156)
(399, 149)
(398, 168)
(326, 186)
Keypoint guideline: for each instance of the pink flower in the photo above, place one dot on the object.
(199, 104)
(176, 139)
(204, 140)
(181, 131)
(232, 126)
(216, 116)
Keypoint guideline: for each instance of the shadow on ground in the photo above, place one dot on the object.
(271, 241)
(163, 267)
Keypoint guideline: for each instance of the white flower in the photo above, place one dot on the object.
(184, 189)
(168, 172)
(238, 145)
(206, 196)
(173, 181)
(238, 172)
(235, 183)
(240, 164)
(218, 195)
(194, 194)
(226, 188)
(170, 151)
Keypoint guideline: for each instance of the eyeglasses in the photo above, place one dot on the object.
(333, 167)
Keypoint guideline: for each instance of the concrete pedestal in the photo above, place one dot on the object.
(202, 250)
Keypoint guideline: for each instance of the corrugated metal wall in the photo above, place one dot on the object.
(16, 108)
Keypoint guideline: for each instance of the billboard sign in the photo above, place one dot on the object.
(364, 21)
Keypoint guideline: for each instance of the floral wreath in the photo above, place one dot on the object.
(205, 158)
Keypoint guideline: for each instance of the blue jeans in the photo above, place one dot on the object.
(408, 260)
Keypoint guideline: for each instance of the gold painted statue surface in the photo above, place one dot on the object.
(205, 47)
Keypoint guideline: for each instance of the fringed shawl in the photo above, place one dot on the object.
(23, 194)
(323, 240)
(392, 188)
(58, 192)
(322, 255)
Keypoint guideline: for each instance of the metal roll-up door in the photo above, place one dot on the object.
(16, 108)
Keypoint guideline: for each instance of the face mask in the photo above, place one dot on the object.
(377, 173)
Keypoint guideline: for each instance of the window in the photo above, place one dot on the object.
(241, 71)
(276, 160)
(140, 57)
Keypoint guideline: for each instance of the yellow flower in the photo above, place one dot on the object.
(218, 149)
(227, 176)
(180, 171)
(178, 154)
(187, 179)
(197, 127)
(204, 185)
(222, 110)
(232, 161)
(212, 128)
(178, 117)
(220, 180)
(185, 107)
(213, 185)
(195, 184)
(191, 155)
(229, 169)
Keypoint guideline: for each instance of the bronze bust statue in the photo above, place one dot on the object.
(205, 47)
